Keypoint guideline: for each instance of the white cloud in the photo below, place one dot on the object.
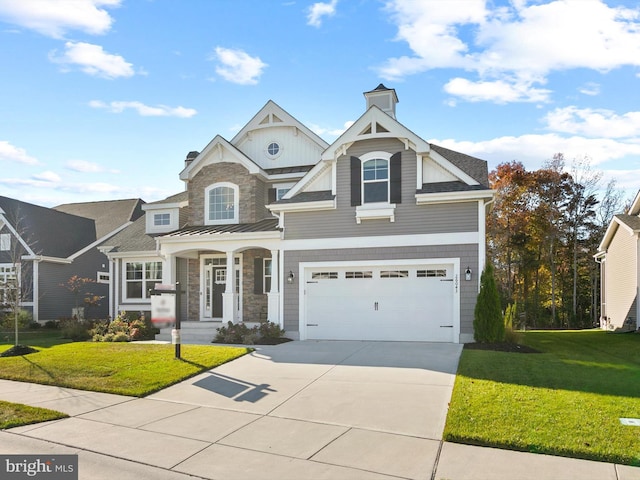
(47, 176)
(238, 67)
(145, 110)
(319, 10)
(499, 91)
(590, 88)
(518, 44)
(83, 166)
(93, 60)
(594, 122)
(54, 18)
(13, 154)
(331, 132)
(533, 150)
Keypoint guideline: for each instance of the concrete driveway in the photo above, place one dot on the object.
(301, 410)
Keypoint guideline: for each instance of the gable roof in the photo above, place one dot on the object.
(131, 239)
(217, 147)
(270, 111)
(472, 166)
(46, 231)
(108, 215)
(629, 222)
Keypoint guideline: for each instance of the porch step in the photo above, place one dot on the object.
(192, 333)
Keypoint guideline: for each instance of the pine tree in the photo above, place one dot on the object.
(488, 323)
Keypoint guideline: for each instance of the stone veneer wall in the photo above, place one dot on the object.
(193, 311)
(254, 304)
(251, 191)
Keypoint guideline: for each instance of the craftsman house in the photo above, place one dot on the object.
(377, 236)
(619, 258)
(42, 248)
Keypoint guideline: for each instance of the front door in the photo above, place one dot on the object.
(214, 281)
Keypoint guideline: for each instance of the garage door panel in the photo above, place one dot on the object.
(405, 303)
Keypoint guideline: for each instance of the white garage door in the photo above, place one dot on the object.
(402, 303)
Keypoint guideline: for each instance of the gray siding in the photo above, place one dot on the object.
(56, 302)
(621, 275)
(409, 217)
(468, 255)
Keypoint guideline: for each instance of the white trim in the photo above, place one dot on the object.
(430, 239)
(238, 267)
(451, 197)
(236, 204)
(447, 165)
(123, 279)
(36, 291)
(303, 206)
(303, 266)
(376, 211)
(6, 223)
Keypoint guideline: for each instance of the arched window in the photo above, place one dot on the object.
(375, 181)
(221, 203)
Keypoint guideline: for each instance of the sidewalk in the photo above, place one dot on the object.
(348, 410)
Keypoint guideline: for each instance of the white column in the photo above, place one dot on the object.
(229, 295)
(273, 296)
(36, 289)
(169, 269)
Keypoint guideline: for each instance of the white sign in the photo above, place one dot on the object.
(163, 308)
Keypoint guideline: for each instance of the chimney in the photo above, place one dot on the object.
(190, 158)
(383, 98)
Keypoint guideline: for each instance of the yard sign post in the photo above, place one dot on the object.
(164, 310)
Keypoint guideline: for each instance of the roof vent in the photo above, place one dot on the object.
(190, 158)
(384, 98)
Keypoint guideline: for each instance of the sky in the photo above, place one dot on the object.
(102, 99)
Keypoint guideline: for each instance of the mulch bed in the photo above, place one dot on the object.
(501, 347)
(18, 351)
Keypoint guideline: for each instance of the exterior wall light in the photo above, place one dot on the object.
(291, 277)
(467, 274)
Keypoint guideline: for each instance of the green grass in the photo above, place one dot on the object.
(122, 368)
(42, 337)
(565, 401)
(17, 415)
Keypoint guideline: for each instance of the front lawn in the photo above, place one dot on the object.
(122, 368)
(16, 415)
(567, 400)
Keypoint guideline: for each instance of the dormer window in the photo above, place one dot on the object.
(221, 204)
(161, 219)
(375, 181)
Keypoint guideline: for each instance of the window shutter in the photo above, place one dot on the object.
(258, 276)
(271, 195)
(396, 178)
(356, 182)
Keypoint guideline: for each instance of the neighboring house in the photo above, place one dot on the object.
(619, 258)
(377, 236)
(43, 248)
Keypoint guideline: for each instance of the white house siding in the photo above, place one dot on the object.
(467, 253)
(621, 278)
(296, 147)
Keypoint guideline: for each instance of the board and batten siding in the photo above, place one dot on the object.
(621, 278)
(467, 253)
(409, 218)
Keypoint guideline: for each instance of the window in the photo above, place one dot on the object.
(375, 181)
(394, 274)
(103, 277)
(367, 274)
(267, 275)
(281, 192)
(324, 275)
(8, 282)
(140, 277)
(273, 149)
(437, 272)
(161, 219)
(5, 242)
(221, 204)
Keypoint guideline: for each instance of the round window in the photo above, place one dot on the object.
(273, 149)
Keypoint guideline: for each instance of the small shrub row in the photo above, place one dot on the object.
(123, 329)
(240, 333)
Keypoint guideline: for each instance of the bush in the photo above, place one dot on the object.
(488, 323)
(74, 329)
(7, 321)
(52, 324)
(123, 329)
(267, 332)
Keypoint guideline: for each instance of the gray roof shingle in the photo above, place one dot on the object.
(108, 215)
(47, 231)
(455, 186)
(309, 197)
(472, 166)
(631, 221)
